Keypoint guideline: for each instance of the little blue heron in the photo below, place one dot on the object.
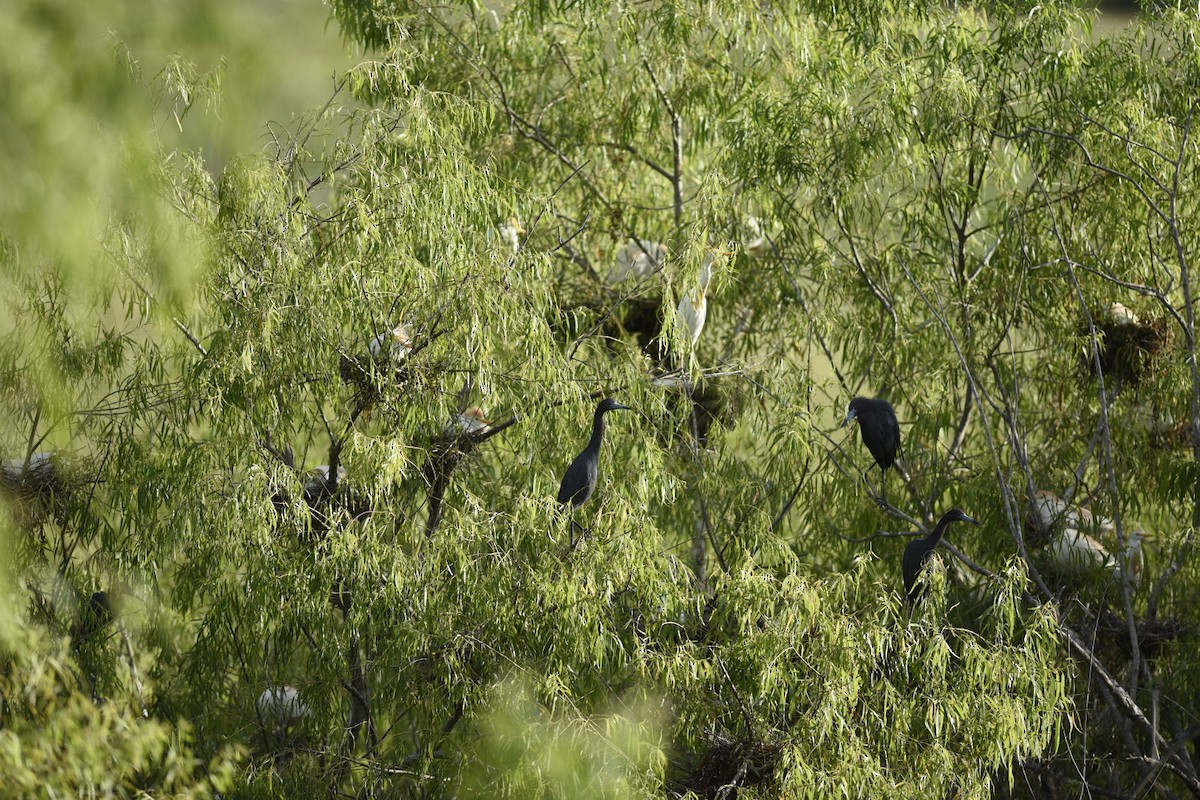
(880, 433)
(917, 553)
(579, 481)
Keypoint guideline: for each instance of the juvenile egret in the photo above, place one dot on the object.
(637, 259)
(1122, 315)
(880, 433)
(579, 481)
(318, 487)
(917, 554)
(753, 241)
(36, 470)
(1051, 512)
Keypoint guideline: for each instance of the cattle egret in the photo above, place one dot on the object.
(917, 554)
(37, 469)
(1122, 315)
(637, 259)
(468, 422)
(281, 707)
(318, 487)
(394, 345)
(1074, 551)
(880, 433)
(753, 241)
(1050, 512)
(693, 306)
(510, 233)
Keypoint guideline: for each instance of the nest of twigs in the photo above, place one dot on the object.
(1153, 635)
(713, 401)
(730, 764)
(38, 487)
(1130, 349)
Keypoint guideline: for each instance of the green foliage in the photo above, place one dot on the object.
(250, 372)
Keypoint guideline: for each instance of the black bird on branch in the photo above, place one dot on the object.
(880, 433)
(917, 554)
(579, 481)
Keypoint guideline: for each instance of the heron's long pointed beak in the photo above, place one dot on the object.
(972, 520)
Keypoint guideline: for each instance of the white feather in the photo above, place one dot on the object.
(637, 259)
(394, 344)
(282, 705)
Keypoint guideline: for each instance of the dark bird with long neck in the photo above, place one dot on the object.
(917, 554)
(579, 481)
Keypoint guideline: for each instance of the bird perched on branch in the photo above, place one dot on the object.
(579, 481)
(637, 258)
(510, 233)
(1062, 525)
(880, 433)
(393, 345)
(1075, 551)
(693, 306)
(917, 554)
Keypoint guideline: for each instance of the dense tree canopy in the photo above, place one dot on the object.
(287, 424)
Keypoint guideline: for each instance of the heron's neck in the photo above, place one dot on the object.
(939, 531)
(597, 431)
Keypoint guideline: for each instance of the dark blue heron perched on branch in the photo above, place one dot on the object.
(917, 554)
(579, 481)
(880, 433)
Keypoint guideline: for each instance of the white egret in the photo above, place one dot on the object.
(280, 707)
(693, 306)
(510, 233)
(467, 422)
(1073, 550)
(1122, 315)
(394, 345)
(754, 242)
(637, 258)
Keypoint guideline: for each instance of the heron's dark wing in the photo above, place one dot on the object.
(916, 555)
(579, 481)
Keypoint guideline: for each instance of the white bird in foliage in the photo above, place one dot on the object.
(1051, 511)
(637, 259)
(318, 486)
(35, 470)
(693, 306)
(1074, 551)
(281, 707)
(754, 242)
(467, 422)
(393, 345)
(1121, 315)
(510, 232)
